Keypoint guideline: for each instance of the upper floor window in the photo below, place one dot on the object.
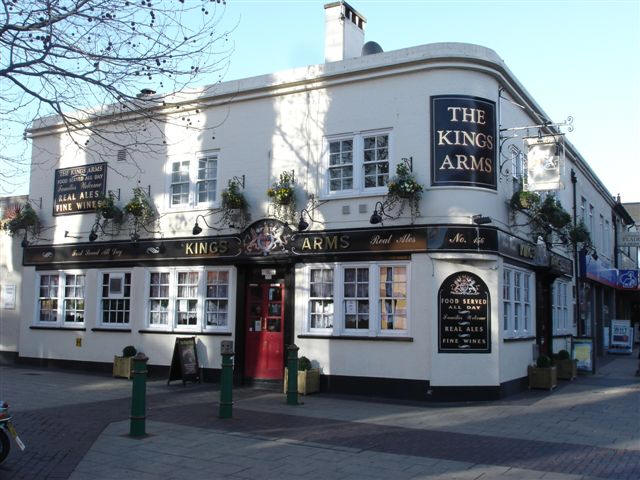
(61, 297)
(194, 182)
(358, 163)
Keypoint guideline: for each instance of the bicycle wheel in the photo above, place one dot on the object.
(5, 445)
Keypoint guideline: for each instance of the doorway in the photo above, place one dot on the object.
(264, 330)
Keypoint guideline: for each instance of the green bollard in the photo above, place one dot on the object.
(226, 380)
(138, 396)
(292, 379)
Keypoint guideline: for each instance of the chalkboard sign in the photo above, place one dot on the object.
(184, 363)
(464, 311)
(78, 189)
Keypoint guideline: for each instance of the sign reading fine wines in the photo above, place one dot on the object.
(463, 138)
(78, 189)
(464, 311)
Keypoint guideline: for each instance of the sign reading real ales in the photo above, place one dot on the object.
(464, 310)
(78, 189)
(463, 141)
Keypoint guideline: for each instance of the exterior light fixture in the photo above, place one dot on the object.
(303, 224)
(481, 219)
(93, 236)
(24, 243)
(135, 238)
(197, 229)
(376, 216)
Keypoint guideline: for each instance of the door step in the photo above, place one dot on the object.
(258, 384)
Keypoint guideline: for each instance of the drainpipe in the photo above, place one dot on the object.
(576, 267)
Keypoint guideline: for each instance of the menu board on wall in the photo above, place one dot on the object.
(463, 141)
(78, 189)
(464, 315)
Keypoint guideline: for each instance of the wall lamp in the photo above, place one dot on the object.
(480, 219)
(303, 224)
(197, 229)
(378, 212)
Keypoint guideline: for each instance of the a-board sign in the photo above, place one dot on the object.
(184, 363)
(464, 315)
(621, 337)
(582, 352)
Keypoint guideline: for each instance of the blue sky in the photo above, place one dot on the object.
(579, 58)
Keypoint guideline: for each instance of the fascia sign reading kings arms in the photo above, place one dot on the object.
(463, 136)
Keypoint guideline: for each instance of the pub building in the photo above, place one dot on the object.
(450, 301)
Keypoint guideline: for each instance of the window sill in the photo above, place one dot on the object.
(185, 332)
(351, 195)
(107, 329)
(43, 327)
(518, 339)
(358, 337)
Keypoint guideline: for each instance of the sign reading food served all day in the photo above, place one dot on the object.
(463, 136)
(78, 189)
(464, 310)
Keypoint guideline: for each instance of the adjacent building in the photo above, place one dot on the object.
(448, 296)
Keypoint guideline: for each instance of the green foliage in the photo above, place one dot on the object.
(282, 192)
(140, 207)
(108, 209)
(564, 355)
(552, 211)
(21, 217)
(404, 184)
(129, 351)
(545, 216)
(543, 361)
(579, 234)
(304, 364)
(522, 200)
(232, 197)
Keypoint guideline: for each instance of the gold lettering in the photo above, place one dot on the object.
(306, 244)
(332, 242)
(317, 243)
(447, 161)
(344, 242)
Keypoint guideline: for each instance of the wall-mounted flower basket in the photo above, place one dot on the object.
(546, 216)
(234, 206)
(403, 189)
(140, 208)
(108, 209)
(21, 217)
(282, 197)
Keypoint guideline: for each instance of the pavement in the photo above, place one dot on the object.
(75, 426)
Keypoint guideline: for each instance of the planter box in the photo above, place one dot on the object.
(567, 369)
(308, 381)
(122, 366)
(545, 378)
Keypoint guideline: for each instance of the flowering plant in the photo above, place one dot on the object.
(282, 192)
(404, 188)
(108, 209)
(20, 217)
(232, 197)
(140, 207)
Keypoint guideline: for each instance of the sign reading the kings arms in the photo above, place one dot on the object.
(464, 309)
(78, 189)
(463, 136)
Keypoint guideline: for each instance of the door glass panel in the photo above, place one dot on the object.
(273, 324)
(275, 309)
(274, 294)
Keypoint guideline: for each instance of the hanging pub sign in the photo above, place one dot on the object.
(78, 189)
(464, 315)
(463, 138)
(629, 239)
(545, 158)
(184, 363)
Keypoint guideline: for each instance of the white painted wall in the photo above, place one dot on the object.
(10, 275)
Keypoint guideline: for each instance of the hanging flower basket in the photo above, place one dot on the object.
(21, 217)
(282, 192)
(522, 200)
(140, 208)
(402, 189)
(234, 206)
(108, 209)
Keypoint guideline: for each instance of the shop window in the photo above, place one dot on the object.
(189, 299)
(115, 300)
(371, 299)
(61, 298)
(560, 307)
(194, 183)
(358, 163)
(517, 295)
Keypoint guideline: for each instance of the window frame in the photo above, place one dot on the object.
(201, 324)
(193, 202)
(527, 286)
(560, 317)
(375, 327)
(60, 297)
(99, 312)
(358, 189)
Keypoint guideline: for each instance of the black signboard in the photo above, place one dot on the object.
(78, 189)
(361, 241)
(463, 238)
(463, 141)
(464, 315)
(184, 363)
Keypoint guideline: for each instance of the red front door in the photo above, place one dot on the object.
(263, 327)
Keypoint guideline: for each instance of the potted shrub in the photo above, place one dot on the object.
(543, 375)
(108, 209)
(308, 377)
(122, 365)
(567, 368)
